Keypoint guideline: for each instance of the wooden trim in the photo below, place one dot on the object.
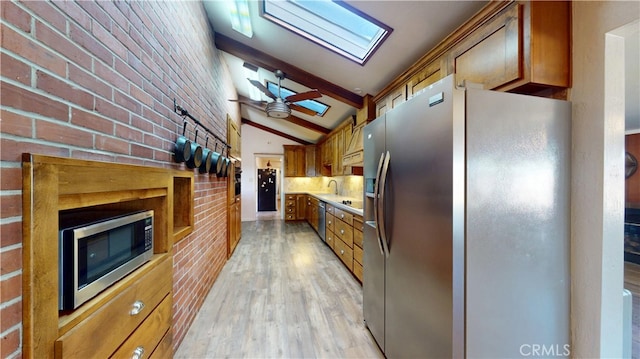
(296, 74)
(275, 132)
(487, 12)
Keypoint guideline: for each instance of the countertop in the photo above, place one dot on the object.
(336, 201)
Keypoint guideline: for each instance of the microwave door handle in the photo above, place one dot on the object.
(376, 192)
(381, 203)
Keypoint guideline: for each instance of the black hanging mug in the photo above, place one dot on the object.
(183, 147)
(205, 167)
(196, 153)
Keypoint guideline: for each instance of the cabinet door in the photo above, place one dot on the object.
(338, 152)
(289, 161)
(300, 158)
(491, 56)
(392, 100)
(310, 161)
(327, 152)
(301, 206)
(430, 74)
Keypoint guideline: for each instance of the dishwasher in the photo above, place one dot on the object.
(321, 220)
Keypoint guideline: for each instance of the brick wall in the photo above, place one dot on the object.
(96, 80)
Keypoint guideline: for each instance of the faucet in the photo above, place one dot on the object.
(334, 181)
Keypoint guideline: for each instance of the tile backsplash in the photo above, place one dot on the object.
(348, 186)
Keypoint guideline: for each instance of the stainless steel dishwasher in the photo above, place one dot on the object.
(321, 220)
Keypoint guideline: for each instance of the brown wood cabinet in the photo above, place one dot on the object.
(233, 138)
(519, 46)
(301, 207)
(290, 207)
(294, 161)
(234, 211)
(52, 185)
(523, 48)
(343, 233)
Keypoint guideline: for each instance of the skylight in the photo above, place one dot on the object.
(332, 24)
(312, 105)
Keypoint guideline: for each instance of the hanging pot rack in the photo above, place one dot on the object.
(184, 113)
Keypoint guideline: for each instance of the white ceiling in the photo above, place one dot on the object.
(418, 26)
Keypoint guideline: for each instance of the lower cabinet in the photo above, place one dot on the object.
(235, 225)
(344, 237)
(290, 207)
(138, 320)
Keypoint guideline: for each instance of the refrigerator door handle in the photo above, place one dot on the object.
(376, 190)
(381, 214)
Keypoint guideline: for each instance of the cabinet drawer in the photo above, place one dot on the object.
(344, 216)
(290, 210)
(357, 270)
(145, 339)
(290, 197)
(345, 253)
(330, 238)
(330, 223)
(329, 209)
(357, 238)
(290, 217)
(344, 232)
(88, 339)
(290, 203)
(357, 254)
(165, 348)
(358, 224)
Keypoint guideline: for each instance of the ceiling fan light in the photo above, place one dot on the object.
(278, 109)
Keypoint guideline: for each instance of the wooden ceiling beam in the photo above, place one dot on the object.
(296, 74)
(275, 132)
(293, 119)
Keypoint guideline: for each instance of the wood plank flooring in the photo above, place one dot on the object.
(283, 294)
(632, 283)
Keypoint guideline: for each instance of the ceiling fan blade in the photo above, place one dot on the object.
(303, 96)
(250, 102)
(304, 110)
(262, 88)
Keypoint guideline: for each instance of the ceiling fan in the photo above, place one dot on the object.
(281, 107)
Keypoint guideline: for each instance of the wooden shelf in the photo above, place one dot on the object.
(52, 185)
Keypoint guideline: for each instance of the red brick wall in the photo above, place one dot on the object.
(96, 80)
(632, 184)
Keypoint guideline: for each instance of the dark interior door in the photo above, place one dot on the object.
(266, 190)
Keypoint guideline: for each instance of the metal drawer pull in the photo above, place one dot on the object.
(342, 231)
(137, 307)
(342, 251)
(137, 354)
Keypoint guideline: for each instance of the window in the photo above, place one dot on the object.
(312, 105)
(332, 24)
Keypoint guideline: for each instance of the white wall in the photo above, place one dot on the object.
(597, 179)
(256, 141)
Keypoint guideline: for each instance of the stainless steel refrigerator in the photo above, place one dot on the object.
(466, 242)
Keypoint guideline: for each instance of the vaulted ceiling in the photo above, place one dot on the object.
(418, 26)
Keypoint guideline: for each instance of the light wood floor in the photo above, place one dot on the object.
(282, 294)
(632, 283)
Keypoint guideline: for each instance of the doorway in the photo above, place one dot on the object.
(268, 186)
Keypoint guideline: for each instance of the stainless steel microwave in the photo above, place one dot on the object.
(96, 249)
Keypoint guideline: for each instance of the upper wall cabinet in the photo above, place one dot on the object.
(233, 138)
(519, 46)
(524, 48)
